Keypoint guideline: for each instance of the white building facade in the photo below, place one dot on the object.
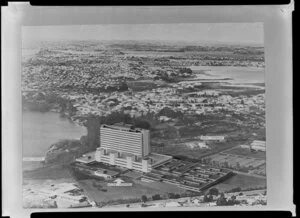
(258, 145)
(126, 146)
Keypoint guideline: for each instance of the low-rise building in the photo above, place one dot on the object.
(245, 146)
(212, 138)
(258, 145)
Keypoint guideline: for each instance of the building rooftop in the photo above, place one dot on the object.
(158, 158)
(87, 158)
(123, 126)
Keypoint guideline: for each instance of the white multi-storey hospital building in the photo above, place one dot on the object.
(126, 146)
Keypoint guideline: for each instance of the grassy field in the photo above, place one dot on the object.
(247, 153)
(242, 181)
(183, 150)
(138, 189)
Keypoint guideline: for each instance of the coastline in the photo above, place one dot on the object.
(65, 115)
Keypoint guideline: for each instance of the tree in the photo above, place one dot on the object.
(184, 71)
(93, 129)
(55, 204)
(123, 87)
(83, 140)
(168, 112)
(222, 200)
(171, 195)
(142, 124)
(232, 201)
(213, 191)
(205, 198)
(176, 196)
(144, 198)
(208, 198)
(156, 197)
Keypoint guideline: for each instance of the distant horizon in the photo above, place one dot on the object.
(164, 42)
(157, 40)
(190, 33)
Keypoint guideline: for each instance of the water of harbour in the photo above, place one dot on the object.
(40, 130)
(236, 74)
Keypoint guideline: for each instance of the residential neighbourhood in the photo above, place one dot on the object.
(181, 124)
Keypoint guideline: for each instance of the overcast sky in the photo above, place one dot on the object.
(206, 32)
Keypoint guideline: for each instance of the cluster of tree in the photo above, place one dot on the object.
(172, 76)
(208, 198)
(185, 72)
(144, 198)
(64, 151)
(119, 201)
(163, 75)
(168, 112)
(92, 139)
(222, 201)
(160, 197)
(156, 197)
(173, 196)
(213, 191)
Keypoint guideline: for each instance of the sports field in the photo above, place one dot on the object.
(236, 161)
(138, 189)
(246, 152)
(242, 181)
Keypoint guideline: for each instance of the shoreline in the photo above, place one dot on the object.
(206, 67)
(60, 114)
